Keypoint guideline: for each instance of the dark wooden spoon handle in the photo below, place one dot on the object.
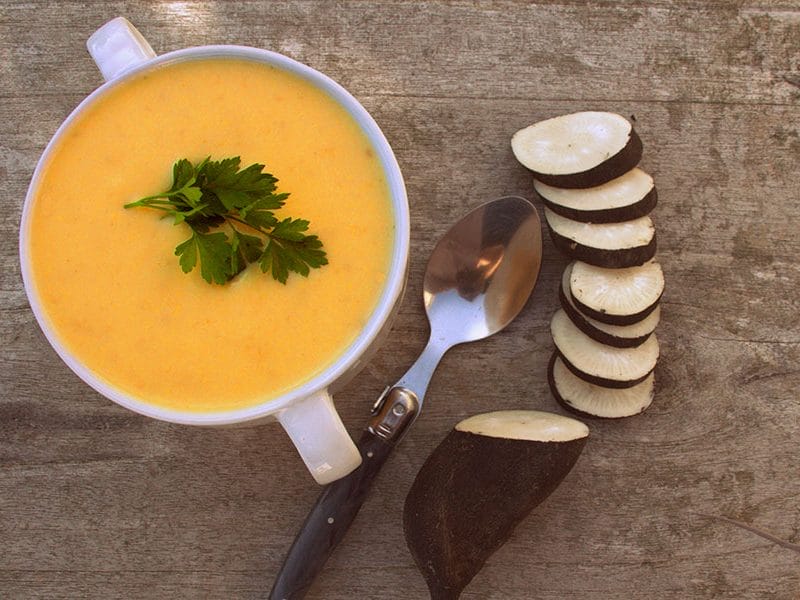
(340, 501)
(328, 521)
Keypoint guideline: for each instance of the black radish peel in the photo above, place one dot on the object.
(482, 480)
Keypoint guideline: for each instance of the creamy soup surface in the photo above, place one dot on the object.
(110, 285)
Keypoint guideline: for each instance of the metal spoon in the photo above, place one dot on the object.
(478, 278)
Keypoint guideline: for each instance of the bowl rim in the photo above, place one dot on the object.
(381, 313)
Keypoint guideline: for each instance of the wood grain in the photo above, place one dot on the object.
(96, 502)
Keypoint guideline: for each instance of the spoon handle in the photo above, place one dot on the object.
(339, 503)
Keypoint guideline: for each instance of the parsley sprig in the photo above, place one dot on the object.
(230, 214)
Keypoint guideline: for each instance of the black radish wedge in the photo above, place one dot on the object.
(482, 480)
(590, 400)
(621, 336)
(600, 364)
(616, 296)
(625, 198)
(578, 150)
(610, 245)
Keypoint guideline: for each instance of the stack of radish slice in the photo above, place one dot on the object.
(597, 203)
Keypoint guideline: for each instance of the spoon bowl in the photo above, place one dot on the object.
(483, 270)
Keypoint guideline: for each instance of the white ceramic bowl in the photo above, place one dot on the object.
(306, 412)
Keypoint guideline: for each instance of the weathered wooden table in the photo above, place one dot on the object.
(97, 502)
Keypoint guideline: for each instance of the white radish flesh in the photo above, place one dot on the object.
(630, 196)
(610, 245)
(598, 363)
(608, 236)
(594, 400)
(530, 425)
(613, 335)
(578, 150)
(616, 296)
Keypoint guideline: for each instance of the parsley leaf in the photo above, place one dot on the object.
(187, 251)
(215, 255)
(244, 249)
(235, 188)
(183, 175)
(217, 200)
(250, 246)
(290, 230)
(259, 214)
(289, 249)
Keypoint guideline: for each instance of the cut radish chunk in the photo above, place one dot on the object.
(621, 336)
(616, 296)
(600, 364)
(587, 399)
(612, 245)
(578, 150)
(478, 485)
(625, 198)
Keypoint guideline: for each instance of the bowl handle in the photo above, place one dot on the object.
(118, 47)
(320, 437)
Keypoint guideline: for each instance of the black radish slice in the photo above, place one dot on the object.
(629, 196)
(611, 245)
(482, 480)
(588, 399)
(578, 150)
(621, 336)
(616, 296)
(600, 364)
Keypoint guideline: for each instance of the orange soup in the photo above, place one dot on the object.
(111, 287)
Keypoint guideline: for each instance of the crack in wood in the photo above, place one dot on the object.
(792, 79)
(763, 377)
(764, 534)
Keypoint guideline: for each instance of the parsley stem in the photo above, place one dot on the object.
(169, 198)
(156, 206)
(230, 218)
(151, 201)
